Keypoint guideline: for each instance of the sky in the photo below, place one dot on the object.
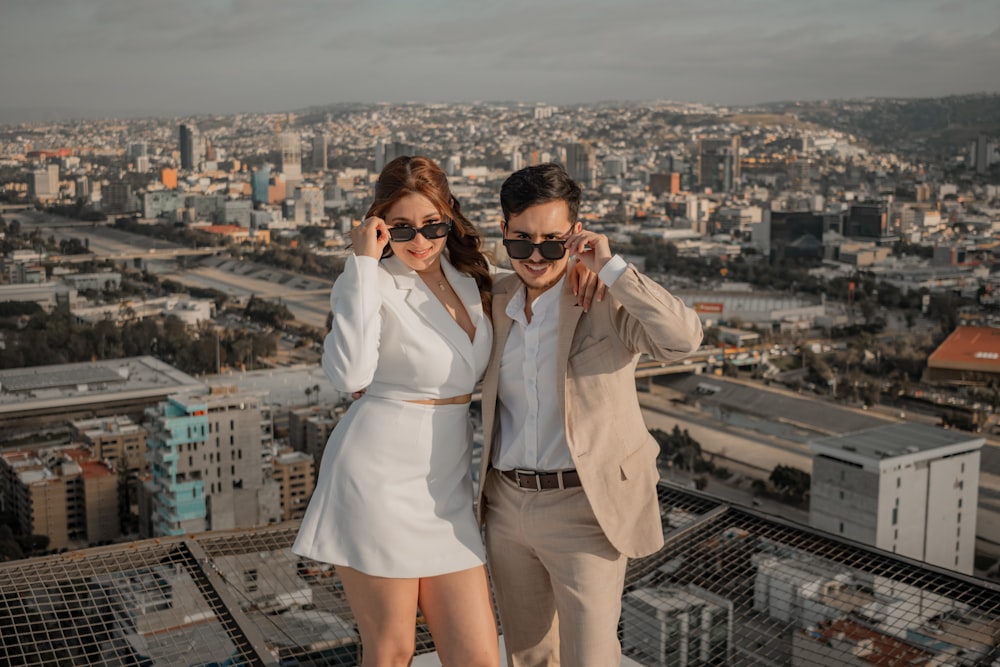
(189, 57)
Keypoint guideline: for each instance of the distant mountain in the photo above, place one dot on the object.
(933, 127)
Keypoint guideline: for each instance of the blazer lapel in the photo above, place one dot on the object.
(569, 314)
(428, 307)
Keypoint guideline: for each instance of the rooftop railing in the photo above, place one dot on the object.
(731, 586)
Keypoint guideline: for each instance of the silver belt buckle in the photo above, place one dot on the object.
(528, 473)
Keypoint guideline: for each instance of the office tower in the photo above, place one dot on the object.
(719, 163)
(191, 146)
(83, 189)
(869, 220)
(319, 156)
(310, 197)
(981, 153)
(63, 493)
(581, 163)
(259, 182)
(906, 488)
(291, 156)
(44, 183)
(386, 152)
(615, 166)
(453, 165)
(116, 197)
(135, 149)
(209, 469)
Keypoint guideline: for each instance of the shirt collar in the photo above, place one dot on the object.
(544, 302)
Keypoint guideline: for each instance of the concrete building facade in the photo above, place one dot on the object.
(211, 467)
(62, 493)
(906, 488)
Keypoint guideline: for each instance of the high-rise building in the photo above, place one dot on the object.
(516, 160)
(63, 493)
(906, 488)
(319, 155)
(259, 182)
(191, 145)
(312, 197)
(387, 151)
(981, 154)
(869, 220)
(291, 157)
(719, 163)
(581, 163)
(211, 467)
(615, 166)
(116, 197)
(44, 183)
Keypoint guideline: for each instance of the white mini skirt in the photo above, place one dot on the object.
(394, 493)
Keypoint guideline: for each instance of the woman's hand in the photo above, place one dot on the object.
(585, 284)
(370, 238)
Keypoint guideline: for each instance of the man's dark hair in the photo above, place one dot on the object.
(539, 184)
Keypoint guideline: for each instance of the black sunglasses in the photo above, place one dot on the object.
(432, 231)
(522, 249)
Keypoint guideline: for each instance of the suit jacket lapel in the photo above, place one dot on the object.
(569, 314)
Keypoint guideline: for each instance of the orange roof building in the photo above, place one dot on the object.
(970, 355)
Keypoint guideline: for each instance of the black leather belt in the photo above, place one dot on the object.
(540, 481)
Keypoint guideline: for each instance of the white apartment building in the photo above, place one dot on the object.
(906, 488)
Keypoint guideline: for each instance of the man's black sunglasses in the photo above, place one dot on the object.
(522, 249)
(432, 231)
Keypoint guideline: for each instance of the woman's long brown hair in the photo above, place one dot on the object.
(420, 175)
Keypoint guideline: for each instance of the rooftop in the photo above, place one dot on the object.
(969, 348)
(61, 386)
(904, 439)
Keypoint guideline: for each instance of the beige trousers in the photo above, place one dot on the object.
(557, 579)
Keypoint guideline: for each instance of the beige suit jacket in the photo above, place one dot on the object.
(614, 453)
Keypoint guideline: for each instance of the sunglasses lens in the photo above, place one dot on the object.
(405, 233)
(435, 231)
(400, 234)
(518, 249)
(552, 250)
(521, 249)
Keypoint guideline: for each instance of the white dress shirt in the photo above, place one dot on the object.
(532, 432)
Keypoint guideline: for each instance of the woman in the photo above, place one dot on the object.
(393, 506)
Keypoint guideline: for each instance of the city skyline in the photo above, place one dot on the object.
(92, 58)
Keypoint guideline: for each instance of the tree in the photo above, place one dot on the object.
(791, 482)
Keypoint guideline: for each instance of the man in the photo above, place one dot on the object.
(568, 477)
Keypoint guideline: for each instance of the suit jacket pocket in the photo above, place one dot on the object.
(638, 463)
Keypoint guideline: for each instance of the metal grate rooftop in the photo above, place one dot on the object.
(730, 587)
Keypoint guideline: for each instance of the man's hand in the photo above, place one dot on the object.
(370, 238)
(592, 249)
(586, 285)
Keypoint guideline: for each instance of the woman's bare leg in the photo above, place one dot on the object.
(459, 613)
(386, 612)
